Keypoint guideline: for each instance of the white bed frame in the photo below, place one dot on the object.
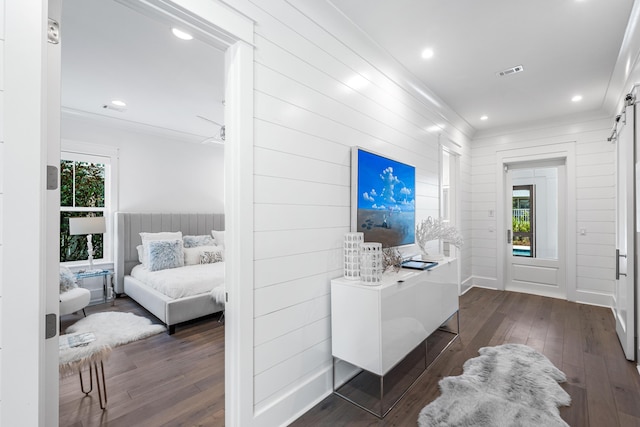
(127, 228)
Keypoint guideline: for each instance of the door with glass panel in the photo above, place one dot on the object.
(535, 229)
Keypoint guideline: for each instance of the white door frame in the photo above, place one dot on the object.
(24, 368)
(24, 274)
(532, 154)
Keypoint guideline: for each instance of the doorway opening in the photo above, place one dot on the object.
(536, 219)
(237, 77)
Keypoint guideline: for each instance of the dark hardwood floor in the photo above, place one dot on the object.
(164, 380)
(579, 339)
(178, 380)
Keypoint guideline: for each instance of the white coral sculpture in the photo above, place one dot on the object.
(433, 229)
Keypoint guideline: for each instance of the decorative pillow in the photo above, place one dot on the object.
(218, 236)
(163, 254)
(195, 241)
(192, 255)
(210, 257)
(148, 237)
(141, 257)
(67, 279)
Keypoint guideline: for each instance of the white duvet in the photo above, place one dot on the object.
(182, 281)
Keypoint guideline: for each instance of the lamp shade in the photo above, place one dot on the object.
(87, 225)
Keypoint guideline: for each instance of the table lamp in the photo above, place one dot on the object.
(88, 225)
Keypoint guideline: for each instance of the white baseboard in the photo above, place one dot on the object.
(483, 282)
(592, 298)
(582, 297)
(296, 401)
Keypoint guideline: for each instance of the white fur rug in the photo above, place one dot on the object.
(111, 330)
(507, 385)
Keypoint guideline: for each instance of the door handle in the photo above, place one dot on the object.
(618, 256)
(509, 236)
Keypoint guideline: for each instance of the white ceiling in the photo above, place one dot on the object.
(112, 52)
(566, 47)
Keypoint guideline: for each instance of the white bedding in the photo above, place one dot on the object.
(182, 281)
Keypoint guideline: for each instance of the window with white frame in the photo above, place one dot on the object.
(85, 190)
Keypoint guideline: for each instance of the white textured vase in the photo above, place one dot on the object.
(371, 263)
(351, 253)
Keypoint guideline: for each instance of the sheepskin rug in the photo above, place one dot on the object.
(111, 330)
(116, 328)
(507, 385)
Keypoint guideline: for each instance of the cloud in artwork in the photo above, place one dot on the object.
(405, 191)
(367, 197)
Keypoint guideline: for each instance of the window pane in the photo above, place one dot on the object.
(66, 183)
(74, 248)
(89, 184)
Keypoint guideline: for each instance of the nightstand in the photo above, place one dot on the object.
(107, 292)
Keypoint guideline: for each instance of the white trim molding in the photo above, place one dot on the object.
(564, 151)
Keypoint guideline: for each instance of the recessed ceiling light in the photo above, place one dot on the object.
(119, 103)
(485, 117)
(427, 53)
(577, 98)
(181, 34)
(435, 128)
(357, 81)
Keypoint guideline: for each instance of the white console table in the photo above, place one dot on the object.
(374, 328)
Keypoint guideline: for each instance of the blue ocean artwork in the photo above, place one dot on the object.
(386, 200)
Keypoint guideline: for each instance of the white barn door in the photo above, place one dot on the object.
(624, 293)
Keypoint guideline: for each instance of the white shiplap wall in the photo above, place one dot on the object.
(595, 203)
(1, 167)
(308, 115)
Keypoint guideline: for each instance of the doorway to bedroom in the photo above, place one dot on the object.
(143, 109)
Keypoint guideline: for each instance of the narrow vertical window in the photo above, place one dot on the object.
(523, 221)
(83, 192)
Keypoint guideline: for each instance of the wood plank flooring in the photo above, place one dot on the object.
(178, 380)
(164, 380)
(579, 339)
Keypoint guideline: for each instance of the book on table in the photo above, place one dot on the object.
(78, 339)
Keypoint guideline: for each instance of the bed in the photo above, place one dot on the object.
(180, 306)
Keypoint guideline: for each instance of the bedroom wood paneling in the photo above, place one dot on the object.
(288, 192)
(288, 140)
(293, 217)
(284, 269)
(282, 348)
(278, 164)
(270, 299)
(279, 323)
(272, 244)
(278, 377)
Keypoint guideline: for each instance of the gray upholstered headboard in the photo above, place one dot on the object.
(128, 225)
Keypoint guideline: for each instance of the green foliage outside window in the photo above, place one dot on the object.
(521, 225)
(82, 185)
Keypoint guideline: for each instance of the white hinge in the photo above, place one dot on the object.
(53, 32)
